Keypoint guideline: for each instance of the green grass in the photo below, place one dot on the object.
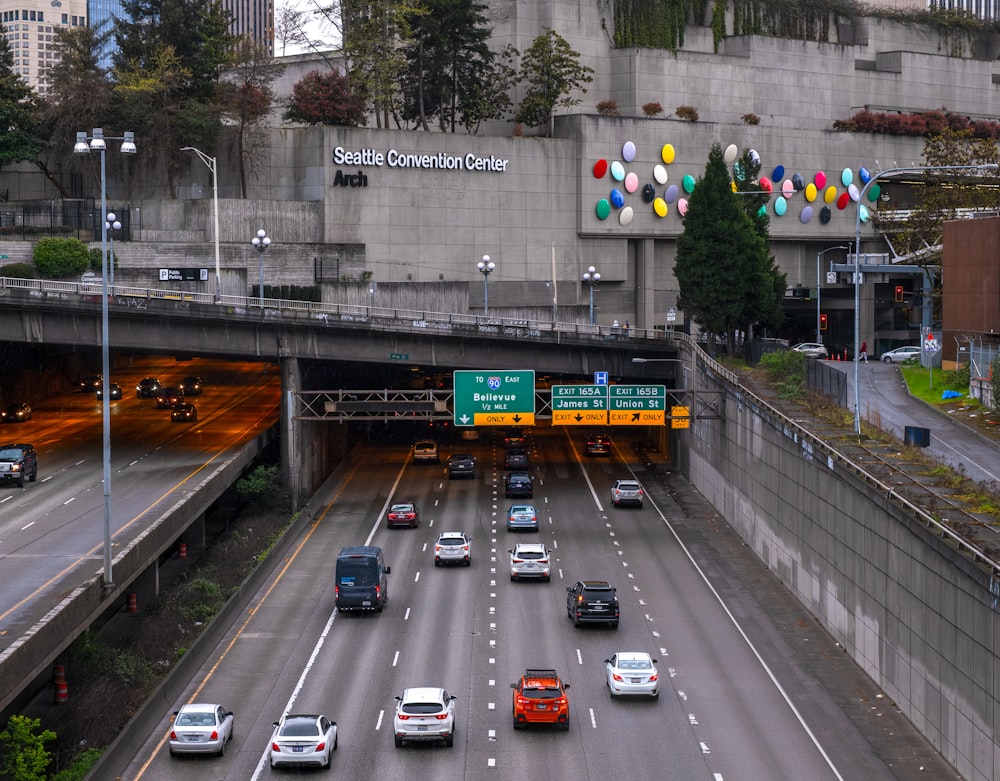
(928, 385)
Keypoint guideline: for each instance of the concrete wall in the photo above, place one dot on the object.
(916, 615)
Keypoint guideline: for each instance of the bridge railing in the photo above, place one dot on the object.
(322, 314)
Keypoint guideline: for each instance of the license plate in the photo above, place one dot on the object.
(366, 603)
(542, 707)
(297, 748)
(422, 729)
(637, 680)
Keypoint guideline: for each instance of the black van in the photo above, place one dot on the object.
(361, 582)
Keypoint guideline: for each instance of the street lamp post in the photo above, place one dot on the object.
(820, 254)
(688, 382)
(97, 142)
(213, 166)
(857, 265)
(111, 225)
(590, 278)
(486, 267)
(261, 242)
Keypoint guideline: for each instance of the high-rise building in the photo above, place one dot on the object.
(254, 18)
(30, 32)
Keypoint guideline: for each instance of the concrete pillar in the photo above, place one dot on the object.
(645, 283)
(291, 457)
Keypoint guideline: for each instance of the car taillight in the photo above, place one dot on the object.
(617, 677)
(321, 746)
(517, 561)
(403, 717)
(173, 735)
(214, 735)
(275, 747)
(579, 598)
(654, 677)
(378, 592)
(465, 548)
(441, 716)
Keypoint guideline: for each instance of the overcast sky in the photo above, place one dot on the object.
(316, 29)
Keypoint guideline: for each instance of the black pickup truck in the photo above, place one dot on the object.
(18, 461)
(592, 601)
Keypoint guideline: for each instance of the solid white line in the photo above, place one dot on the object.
(72, 499)
(27, 526)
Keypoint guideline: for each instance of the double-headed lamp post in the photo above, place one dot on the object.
(97, 142)
(213, 166)
(486, 267)
(590, 278)
(111, 224)
(819, 288)
(916, 169)
(261, 242)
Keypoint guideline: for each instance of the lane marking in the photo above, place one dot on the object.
(395, 658)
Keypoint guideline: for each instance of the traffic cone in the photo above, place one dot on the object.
(182, 551)
(133, 603)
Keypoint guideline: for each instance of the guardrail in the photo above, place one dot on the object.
(325, 314)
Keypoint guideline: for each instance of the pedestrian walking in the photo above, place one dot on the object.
(863, 355)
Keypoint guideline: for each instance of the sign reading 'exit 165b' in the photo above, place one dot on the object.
(494, 398)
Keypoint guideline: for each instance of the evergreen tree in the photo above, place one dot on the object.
(720, 257)
(552, 70)
(20, 140)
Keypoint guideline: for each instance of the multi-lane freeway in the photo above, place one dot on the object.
(733, 704)
(51, 531)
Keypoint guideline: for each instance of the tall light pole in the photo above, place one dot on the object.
(261, 242)
(213, 166)
(486, 267)
(111, 225)
(821, 253)
(917, 169)
(590, 278)
(97, 142)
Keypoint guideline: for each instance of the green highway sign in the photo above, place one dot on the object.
(637, 405)
(494, 397)
(399, 357)
(580, 405)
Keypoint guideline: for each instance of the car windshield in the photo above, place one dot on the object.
(299, 728)
(10, 453)
(549, 693)
(422, 708)
(195, 719)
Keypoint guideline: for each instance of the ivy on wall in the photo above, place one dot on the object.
(660, 24)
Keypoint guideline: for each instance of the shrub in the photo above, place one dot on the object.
(608, 108)
(995, 384)
(19, 271)
(25, 755)
(690, 113)
(750, 119)
(57, 257)
(653, 109)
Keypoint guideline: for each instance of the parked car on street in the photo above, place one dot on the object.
(812, 349)
(901, 354)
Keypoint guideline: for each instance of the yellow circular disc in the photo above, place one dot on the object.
(667, 153)
(810, 192)
(660, 207)
(830, 195)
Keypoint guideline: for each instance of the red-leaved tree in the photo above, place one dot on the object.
(325, 99)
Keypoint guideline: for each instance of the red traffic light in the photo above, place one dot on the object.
(899, 294)
(822, 322)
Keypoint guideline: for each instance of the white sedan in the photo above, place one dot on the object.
(424, 713)
(200, 728)
(303, 739)
(632, 673)
(901, 354)
(812, 349)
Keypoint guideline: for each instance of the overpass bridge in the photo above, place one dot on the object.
(299, 335)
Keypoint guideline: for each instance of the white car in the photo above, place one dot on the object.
(901, 354)
(424, 713)
(200, 728)
(632, 672)
(626, 492)
(453, 548)
(530, 560)
(426, 452)
(303, 739)
(812, 349)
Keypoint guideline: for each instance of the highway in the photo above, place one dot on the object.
(733, 705)
(52, 530)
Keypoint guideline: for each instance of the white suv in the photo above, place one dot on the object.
(626, 492)
(530, 560)
(426, 452)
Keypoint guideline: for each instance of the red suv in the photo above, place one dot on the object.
(540, 697)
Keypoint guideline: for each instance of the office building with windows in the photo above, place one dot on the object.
(30, 29)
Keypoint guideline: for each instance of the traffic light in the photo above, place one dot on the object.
(822, 322)
(899, 294)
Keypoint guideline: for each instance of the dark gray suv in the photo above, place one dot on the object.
(18, 461)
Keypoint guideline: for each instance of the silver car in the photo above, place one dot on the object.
(200, 728)
(632, 672)
(530, 560)
(811, 349)
(453, 548)
(626, 492)
(424, 714)
(303, 739)
(901, 354)
(522, 516)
